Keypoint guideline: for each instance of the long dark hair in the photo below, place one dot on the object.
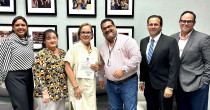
(45, 35)
(22, 18)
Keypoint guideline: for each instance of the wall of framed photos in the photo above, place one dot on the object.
(169, 10)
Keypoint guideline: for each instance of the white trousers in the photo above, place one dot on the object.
(52, 105)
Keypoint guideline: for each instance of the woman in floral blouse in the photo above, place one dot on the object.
(49, 74)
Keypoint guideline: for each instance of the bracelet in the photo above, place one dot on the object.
(76, 87)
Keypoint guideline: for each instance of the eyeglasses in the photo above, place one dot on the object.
(87, 33)
(153, 25)
(109, 26)
(187, 21)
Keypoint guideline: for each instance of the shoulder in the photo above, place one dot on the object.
(127, 40)
(61, 50)
(200, 34)
(168, 40)
(42, 52)
(175, 34)
(74, 48)
(10, 37)
(124, 37)
(94, 48)
(8, 40)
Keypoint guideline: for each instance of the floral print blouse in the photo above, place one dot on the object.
(49, 74)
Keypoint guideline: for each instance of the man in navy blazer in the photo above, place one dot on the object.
(159, 67)
(194, 76)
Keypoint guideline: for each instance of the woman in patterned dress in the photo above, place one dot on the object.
(49, 74)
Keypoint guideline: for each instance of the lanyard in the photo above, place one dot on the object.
(110, 52)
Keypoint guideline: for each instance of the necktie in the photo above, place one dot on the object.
(150, 51)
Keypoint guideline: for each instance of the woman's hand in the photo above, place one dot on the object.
(95, 67)
(77, 93)
(46, 97)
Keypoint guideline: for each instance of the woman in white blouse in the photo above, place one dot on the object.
(82, 61)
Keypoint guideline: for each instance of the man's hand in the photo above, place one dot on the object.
(141, 86)
(101, 84)
(118, 74)
(168, 93)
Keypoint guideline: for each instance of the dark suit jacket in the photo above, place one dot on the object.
(195, 61)
(164, 66)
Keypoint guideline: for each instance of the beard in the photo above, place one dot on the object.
(110, 35)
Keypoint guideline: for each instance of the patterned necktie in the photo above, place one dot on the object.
(150, 51)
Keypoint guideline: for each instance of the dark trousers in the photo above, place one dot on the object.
(195, 100)
(155, 99)
(20, 86)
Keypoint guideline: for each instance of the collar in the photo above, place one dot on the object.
(187, 36)
(115, 39)
(156, 38)
(84, 46)
(23, 41)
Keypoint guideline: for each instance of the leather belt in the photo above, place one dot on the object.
(124, 80)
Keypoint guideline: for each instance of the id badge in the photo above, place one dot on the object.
(109, 62)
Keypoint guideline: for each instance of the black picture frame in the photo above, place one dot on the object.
(89, 9)
(36, 31)
(126, 30)
(8, 7)
(5, 30)
(72, 33)
(114, 9)
(40, 7)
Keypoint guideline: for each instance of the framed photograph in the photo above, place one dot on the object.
(119, 8)
(36, 31)
(41, 7)
(7, 6)
(72, 35)
(126, 30)
(81, 7)
(5, 30)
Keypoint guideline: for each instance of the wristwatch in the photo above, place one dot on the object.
(123, 71)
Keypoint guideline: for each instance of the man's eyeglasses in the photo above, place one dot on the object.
(187, 21)
(109, 26)
(87, 33)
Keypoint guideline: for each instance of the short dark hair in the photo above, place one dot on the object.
(156, 16)
(190, 13)
(105, 20)
(22, 18)
(45, 35)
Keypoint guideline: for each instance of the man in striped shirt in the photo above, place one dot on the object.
(120, 58)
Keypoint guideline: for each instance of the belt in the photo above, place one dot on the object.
(124, 80)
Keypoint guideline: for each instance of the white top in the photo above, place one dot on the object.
(156, 38)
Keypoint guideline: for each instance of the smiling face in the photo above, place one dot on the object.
(86, 34)
(20, 28)
(109, 30)
(154, 26)
(51, 41)
(187, 23)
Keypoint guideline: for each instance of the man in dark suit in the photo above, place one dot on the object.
(159, 67)
(194, 75)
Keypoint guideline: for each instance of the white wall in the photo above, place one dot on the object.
(170, 10)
